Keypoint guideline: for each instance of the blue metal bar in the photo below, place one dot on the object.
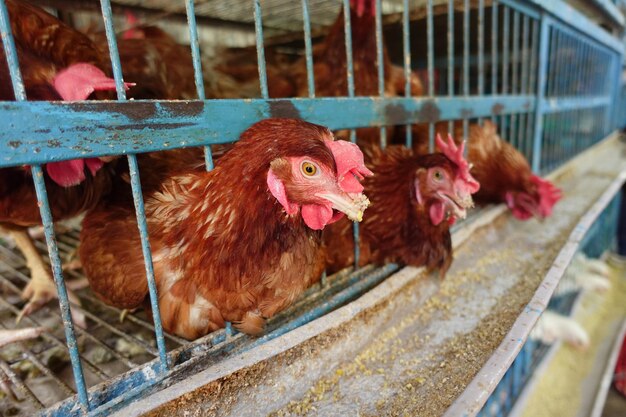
(145, 126)
(195, 48)
(562, 104)
(525, 8)
(494, 51)
(308, 48)
(135, 182)
(481, 47)
(431, 82)
(407, 64)
(46, 216)
(505, 49)
(450, 56)
(525, 68)
(350, 80)
(544, 37)
(348, 39)
(260, 49)
(381, 65)
(466, 64)
(107, 16)
(466, 47)
(57, 273)
(582, 23)
(515, 75)
(197, 68)
(533, 58)
(10, 52)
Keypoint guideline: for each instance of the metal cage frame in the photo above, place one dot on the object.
(537, 84)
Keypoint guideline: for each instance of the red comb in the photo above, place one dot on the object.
(78, 81)
(132, 23)
(549, 194)
(455, 154)
(363, 6)
(350, 165)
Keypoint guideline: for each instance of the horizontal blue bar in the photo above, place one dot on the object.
(525, 8)
(610, 10)
(32, 132)
(555, 105)
(574, 18)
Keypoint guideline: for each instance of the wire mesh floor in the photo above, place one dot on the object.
(38, 371)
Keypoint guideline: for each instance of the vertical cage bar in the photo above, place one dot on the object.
(348, 38)
(430, 63)
(381, 65)
(515, 76)
(406, 39)
(451, 57)
(534, 52)
(197, 68)
(308, 48)
(481, 47)
(505, 49)
(494, 51)
(521, 133)
(466, 64)
(542, 67)
(260, 48)
(46, 216)
(533, 58)
(525, 49)
(135, 183)
(584, 68)
(576, 67)
(350, 79)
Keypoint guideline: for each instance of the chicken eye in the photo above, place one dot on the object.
(438, 175)
(308, 168)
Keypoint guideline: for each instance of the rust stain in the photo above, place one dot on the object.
(284, 108)
(15, 144)
(135, 110)
(466, 113)
(184, 108)
(497, 109)
(396, 114)
(429, 112)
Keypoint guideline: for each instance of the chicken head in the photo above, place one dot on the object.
(78, 82)
(445, 185)
(322, 193)
(537, 200)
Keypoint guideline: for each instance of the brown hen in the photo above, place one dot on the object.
(57, 63)
(238, 243)
(503, 172)
(414, 200)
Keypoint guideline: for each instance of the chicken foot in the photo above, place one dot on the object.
(41, 289)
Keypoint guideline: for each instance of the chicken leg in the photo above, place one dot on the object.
(41, 288)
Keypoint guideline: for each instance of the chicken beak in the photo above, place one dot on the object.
(458, 203)
(352, 205)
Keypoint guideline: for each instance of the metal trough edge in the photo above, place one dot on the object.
(470, 402)
(372, 298)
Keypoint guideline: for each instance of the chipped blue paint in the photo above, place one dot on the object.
(135, 183)
(406, 50)
(308, 48)
(46, 218)
(260, 48)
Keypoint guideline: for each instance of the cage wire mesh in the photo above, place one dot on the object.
(544, 82)
(599, 239)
